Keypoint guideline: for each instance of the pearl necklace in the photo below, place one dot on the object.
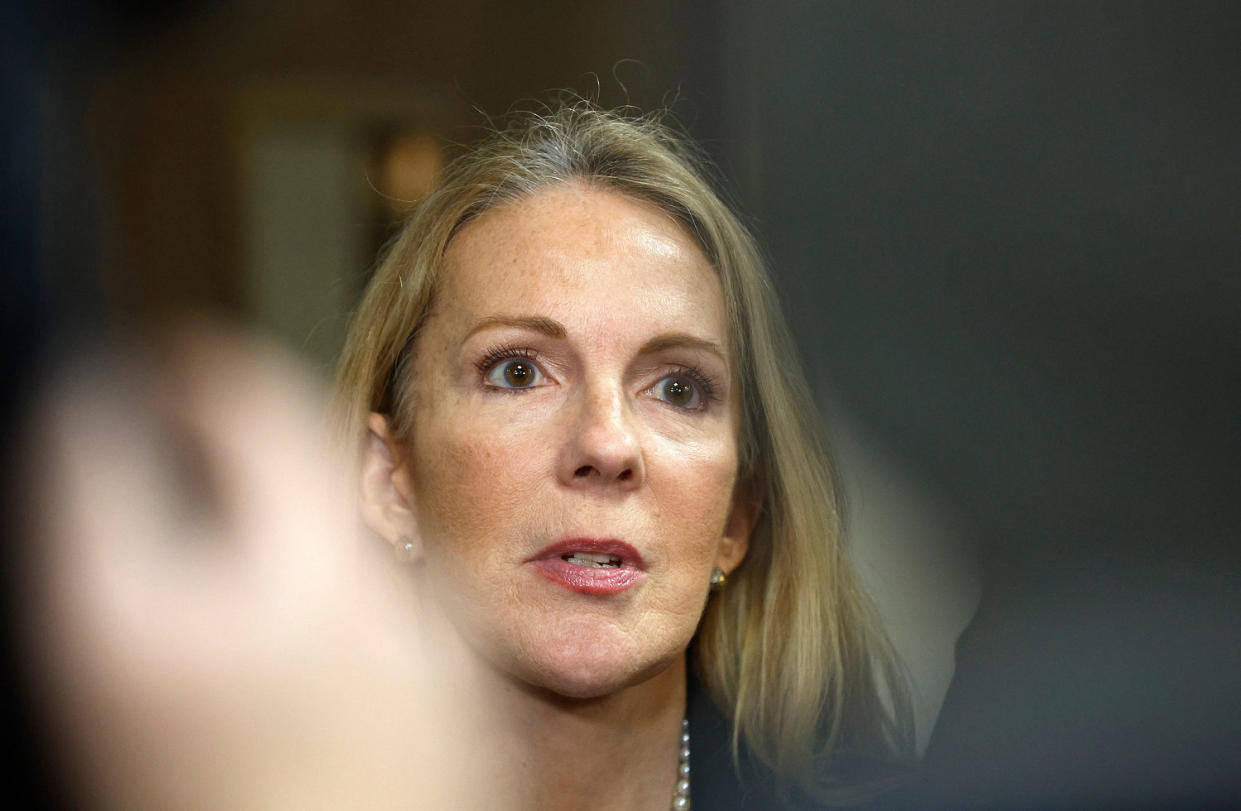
(680, 799)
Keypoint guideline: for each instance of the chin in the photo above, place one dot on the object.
(572, 653)
(589, 670)
(587, 681)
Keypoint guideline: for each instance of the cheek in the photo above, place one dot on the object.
(471, 485)
(692, 491)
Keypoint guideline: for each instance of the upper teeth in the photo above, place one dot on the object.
(592, 559)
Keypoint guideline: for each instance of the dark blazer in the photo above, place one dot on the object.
(717, 783)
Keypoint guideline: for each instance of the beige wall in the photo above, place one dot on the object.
(174, 127)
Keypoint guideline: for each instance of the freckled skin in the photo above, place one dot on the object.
(590, 450)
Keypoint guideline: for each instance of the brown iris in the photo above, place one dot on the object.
(678, 392)
(518, 374)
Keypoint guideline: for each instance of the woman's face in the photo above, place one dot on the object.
(573, 451)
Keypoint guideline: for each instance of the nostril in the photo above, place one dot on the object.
(586, 471)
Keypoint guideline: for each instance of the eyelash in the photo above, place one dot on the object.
(706, 386)
(502, 352)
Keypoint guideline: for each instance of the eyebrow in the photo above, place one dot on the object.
(681, 340)
(534, 323)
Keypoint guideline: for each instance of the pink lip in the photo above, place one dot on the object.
(550, 562)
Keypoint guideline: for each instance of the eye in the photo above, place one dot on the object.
(514, 373)
(678, 391)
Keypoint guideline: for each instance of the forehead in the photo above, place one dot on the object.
(588, 257)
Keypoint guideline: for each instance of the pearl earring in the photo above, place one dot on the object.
(406, 550)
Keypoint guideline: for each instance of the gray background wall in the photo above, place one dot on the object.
(1008, 238)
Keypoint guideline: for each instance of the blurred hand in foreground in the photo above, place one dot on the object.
(205, 628)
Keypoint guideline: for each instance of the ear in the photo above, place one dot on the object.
(387, 493)
(742, 518)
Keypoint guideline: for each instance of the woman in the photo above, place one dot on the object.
(579, 420)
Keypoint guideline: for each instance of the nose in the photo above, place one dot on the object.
(603, 448)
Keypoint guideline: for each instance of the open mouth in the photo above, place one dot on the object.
(592, 559)
(591, 565)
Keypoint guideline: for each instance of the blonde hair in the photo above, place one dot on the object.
(789, 650)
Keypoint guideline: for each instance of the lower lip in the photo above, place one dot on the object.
(590, 579)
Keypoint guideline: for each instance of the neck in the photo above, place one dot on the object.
(618, 751)
(528, 748)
